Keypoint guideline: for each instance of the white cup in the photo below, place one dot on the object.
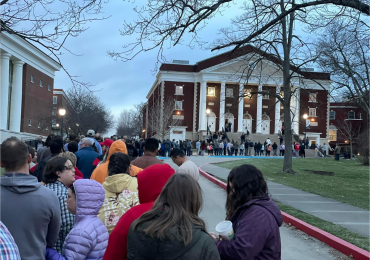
(225, 230)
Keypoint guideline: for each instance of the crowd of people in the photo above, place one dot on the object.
(99, 200)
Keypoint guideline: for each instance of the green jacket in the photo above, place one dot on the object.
(236, 146)
(140, 246)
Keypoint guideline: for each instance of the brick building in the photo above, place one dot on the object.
(216, 84)
(60, 100)
(27, 82)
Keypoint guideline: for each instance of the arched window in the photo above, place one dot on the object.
(333, 133)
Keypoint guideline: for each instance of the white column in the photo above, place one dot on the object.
(146, 119)
(222, 107)
(161, 108)
(296, 111)
(277, 110)
(259, 110)
(16, 105)
(195, 107)
(202, 106)
(5, 57)
(240, 110)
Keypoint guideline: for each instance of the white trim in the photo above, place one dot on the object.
(29, 54)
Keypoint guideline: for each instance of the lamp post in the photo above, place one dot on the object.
(305, 116)
(207, 112)
(62, 113)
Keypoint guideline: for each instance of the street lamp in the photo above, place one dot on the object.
(62, 113)
(305, 116)
(207, 112)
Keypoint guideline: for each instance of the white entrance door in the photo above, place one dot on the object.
(265, 127)
(247, 125)
(212, 123)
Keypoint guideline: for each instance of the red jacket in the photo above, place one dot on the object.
(150, 183)
(296, 147)
(78, 174)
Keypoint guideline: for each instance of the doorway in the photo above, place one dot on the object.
(247, 123)
(265, 125)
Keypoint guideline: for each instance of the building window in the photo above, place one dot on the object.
(360, 116)
(55, 100)
(333, 135)
(49, 87)
(179, 117)
(312, 112)
(229, 92)
(47, 128)
(312, 97)
(228, 105)
(211, 91)
(178, 105)
(265, 96)
(54, 113)
(179, 90)
(32, 78)
(351, 115)
(40, 83)
(332, 115)
(211, 103)
(39, 125)
(29, 122)
(53, 123)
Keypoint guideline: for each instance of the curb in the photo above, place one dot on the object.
(335, 242)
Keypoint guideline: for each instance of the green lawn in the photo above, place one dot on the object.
(350, 183)
(336, 230)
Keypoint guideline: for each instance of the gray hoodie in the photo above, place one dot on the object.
(31, 212)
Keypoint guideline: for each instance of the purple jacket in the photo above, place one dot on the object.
(88, 238)
(256, 227)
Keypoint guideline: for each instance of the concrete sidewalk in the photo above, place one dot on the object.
(345, 215)
(295, 244)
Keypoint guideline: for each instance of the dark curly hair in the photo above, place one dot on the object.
(118, 163)
(52, 166)
(247, 183)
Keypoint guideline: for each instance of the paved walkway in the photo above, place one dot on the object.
(295, 244)
(345, 215)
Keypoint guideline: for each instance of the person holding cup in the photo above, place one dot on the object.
(255, 218)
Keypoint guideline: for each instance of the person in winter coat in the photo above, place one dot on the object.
(88, 238)
(149, 158)
(167, 148)
(236, 148)
(197, 146)
(203, 147)
(255, 216)
(58, 175)
(216, 147)
(101, 172)
(274, 149)
(173, 229)
(185, 146)
(241, 149)
(150, 183)
(86, 156)
(296, 149)
(189, 152)
(282, 150)
(120, 191)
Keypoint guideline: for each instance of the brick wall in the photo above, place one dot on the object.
(36, 101)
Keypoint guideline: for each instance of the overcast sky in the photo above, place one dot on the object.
(124, 84)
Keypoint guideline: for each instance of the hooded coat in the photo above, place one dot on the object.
(150, 184)
(88, 238)
(101, 171)
(120, 195)
(256, 228)
(31, 212)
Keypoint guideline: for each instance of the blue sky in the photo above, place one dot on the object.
(124, 84)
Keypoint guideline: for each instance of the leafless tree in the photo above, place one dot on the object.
(161, 118)
(345, 54)
(268, 24)
(363, 147)
(130, 121)
(349, 130)
(86, 111)
(49, 23)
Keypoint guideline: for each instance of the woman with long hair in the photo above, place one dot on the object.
(173, 229)
(255, 216)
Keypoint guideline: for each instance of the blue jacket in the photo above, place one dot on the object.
(98, 146)
(85, 159)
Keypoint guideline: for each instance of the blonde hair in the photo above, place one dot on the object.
(70, 156)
